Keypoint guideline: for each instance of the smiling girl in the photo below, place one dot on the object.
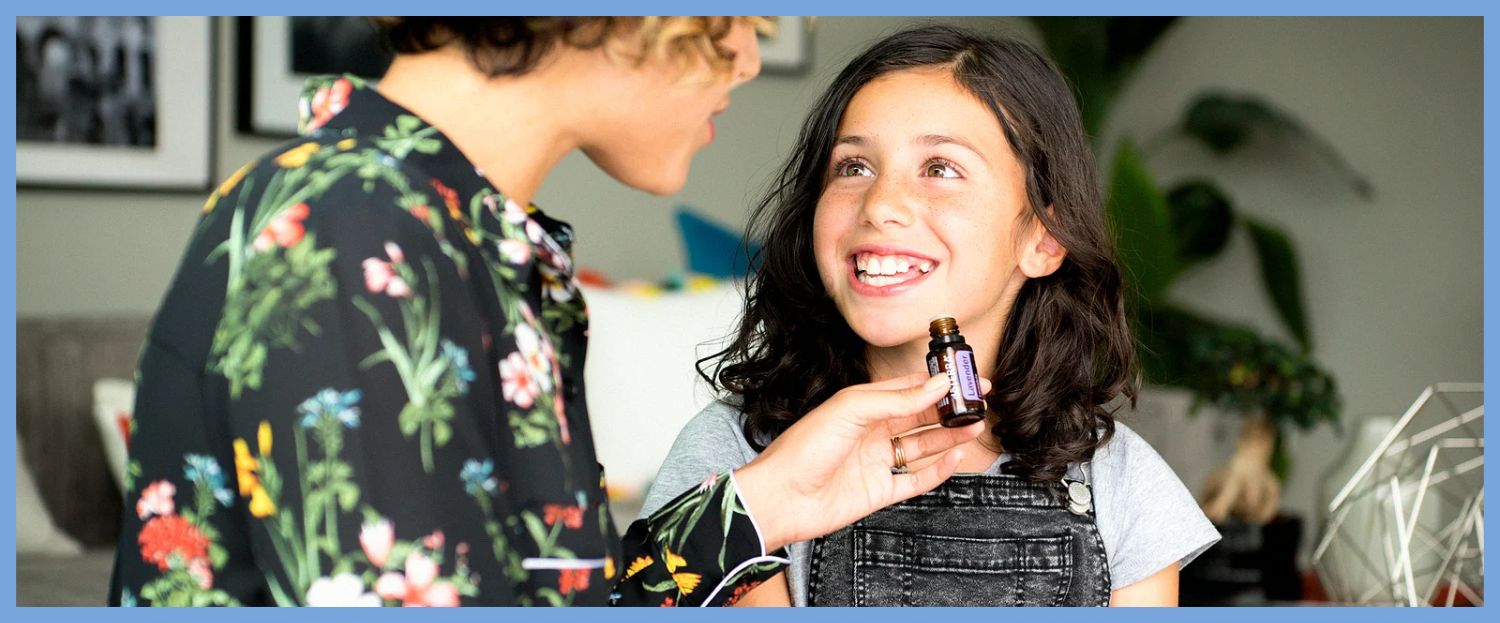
(946, 172)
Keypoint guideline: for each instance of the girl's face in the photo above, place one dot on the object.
(653, 118)
(922, 212)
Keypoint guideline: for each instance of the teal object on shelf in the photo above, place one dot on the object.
(711, 248)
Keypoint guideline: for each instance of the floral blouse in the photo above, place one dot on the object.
(365, 387)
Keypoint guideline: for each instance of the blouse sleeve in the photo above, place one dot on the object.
(701, 549)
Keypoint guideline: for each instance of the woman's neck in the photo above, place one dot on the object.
(515, 129)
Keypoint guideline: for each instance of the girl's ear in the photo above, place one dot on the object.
(1041, 255)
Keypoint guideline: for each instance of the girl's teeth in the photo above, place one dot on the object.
(888, 266)
(925, 267)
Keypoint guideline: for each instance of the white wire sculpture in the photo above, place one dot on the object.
(1408, 528)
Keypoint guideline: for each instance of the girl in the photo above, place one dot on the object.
(945, 172)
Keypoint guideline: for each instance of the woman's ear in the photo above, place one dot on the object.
(1041, 255)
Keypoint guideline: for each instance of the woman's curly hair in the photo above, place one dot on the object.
(1066, 352)
(512, 46)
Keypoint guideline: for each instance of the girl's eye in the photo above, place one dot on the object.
(938, 168)
(852, 168)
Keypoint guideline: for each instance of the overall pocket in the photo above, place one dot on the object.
(901, 569)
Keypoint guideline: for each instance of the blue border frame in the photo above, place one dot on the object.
(963, 7)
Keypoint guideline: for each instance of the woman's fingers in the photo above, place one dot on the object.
(900, 382)
(933, 441)
(874, 406)
(925, 479)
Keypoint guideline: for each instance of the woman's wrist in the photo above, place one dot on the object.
(759, 496)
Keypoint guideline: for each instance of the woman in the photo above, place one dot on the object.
(364, 386)
(946, 172)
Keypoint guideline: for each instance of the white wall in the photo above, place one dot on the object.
(1393, 285)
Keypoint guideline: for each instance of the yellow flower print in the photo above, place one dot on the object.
(609, 568)
(263, 436)
(228, 185)
(638, 565)
(261, 505)
(686, 582)
(674, 561)
(297, 156)
(244, 467)
(346, 144)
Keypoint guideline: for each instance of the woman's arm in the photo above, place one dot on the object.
(1158, 590)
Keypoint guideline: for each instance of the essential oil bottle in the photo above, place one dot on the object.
(948, 354)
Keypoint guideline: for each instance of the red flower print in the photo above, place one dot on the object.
(570, 580)
(514, 213)
(571, 516)
(156, 499)
(421, 212)
(562, 418)
(739, 592)
(419, 586)
(200, 569)
(669, 603)
(450, 199)
(329, 101)
(285, 230)
(377, 538)
(434, 541)
(515, 251)
(170, 535)
(516, 383)
(381, 276)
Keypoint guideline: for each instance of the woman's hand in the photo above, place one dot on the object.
(833, 466)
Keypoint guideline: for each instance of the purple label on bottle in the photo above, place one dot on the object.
(968, 384)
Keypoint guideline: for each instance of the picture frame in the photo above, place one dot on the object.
(277, 54)
(790, 51)
(95, 109)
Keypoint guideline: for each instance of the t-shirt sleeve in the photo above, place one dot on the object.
(709, 444)
(1146, 516)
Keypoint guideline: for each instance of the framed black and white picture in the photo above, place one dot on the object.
(114, 102)
(277, 54)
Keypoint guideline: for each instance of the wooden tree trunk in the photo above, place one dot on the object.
(1245, 487)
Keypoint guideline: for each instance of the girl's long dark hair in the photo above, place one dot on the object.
(1066, 351)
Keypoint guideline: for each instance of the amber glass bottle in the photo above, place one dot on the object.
(948, 354)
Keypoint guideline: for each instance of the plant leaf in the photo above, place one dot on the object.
(1098, 54)
(1201, 220)
(1224, 122)
(1141, 225)
(1281, 277)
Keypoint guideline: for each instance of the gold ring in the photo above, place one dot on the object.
(900, 467)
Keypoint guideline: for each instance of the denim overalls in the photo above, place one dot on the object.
(976, 540)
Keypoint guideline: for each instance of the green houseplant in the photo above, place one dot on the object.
(1164, 231)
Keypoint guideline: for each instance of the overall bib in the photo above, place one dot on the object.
(976, 540)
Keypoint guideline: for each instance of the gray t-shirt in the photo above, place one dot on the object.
(1145, 515)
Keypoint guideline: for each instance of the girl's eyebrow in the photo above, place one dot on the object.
(930, 140)
(934, 140)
